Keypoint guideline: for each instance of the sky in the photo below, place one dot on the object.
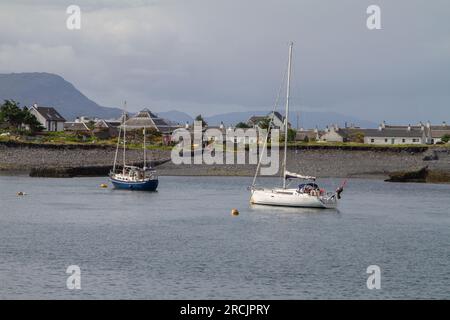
(218, 56)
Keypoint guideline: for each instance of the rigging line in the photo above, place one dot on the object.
(270, 123)
(117, 147)
(124, 135)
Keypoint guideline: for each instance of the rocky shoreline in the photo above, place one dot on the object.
(320, 161)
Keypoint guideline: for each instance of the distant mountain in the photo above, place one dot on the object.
(176, 117)
(51, 90)
(307, 119)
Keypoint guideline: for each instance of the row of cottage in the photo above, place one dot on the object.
(51, 120)
(383, 135)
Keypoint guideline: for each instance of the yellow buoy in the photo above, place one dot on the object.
(234, 212)
(104, 186)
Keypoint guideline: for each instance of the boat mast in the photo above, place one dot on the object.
(288, 89)
(124, 135)
(145, 152)
(117, 147)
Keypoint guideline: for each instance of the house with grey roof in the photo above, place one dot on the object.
(147, 119)
(307, 135)
(394, 136)
(386, 134)
(76, 127)
(49, 118)
(438, 132)
(276, 117)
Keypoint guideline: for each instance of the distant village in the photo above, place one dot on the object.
(385, 134)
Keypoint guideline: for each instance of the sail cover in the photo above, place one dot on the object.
(292, 175)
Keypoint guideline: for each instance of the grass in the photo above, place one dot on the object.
(63, 138)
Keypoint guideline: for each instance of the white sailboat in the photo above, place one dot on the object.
(307, 194)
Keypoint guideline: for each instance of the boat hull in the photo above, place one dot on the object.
(290, 199)
(148, 185)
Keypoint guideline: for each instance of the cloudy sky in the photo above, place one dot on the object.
(215, 56)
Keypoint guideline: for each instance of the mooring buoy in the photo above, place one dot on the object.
(104, 186)
(234, 212)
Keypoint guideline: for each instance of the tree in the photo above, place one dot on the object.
(200, 118)
(11, 114)
(15, 117)
(242, 125)
(357, 137)
(445, 138)
(291, 134)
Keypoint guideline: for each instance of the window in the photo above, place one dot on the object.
(372, 140)
(403, 140)
(385, 140)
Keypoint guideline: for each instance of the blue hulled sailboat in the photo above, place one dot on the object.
(132, 177)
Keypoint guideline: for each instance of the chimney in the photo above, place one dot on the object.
(409, 127)
(380, 127)
(444, 124)
(221, 125)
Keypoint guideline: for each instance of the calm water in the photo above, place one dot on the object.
(182, 242)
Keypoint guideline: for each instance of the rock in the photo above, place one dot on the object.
(409, 176)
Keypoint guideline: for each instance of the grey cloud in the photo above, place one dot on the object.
(211, 55)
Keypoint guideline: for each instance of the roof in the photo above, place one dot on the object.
(49, 113)
(302, 134)
(147, 119)
(75, 126)
(101, 124)
(387, 132)
(439, 133)
(256, 119)
(278, 115)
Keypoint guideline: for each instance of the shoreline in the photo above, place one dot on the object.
(322, 161)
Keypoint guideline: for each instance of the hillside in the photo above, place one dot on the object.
(51, 90)
(47, 89)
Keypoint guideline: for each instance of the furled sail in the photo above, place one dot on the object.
(293, 175)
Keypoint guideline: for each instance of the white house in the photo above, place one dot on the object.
(277, 120)
(49, 118)
(332, 135)
(397, 134)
